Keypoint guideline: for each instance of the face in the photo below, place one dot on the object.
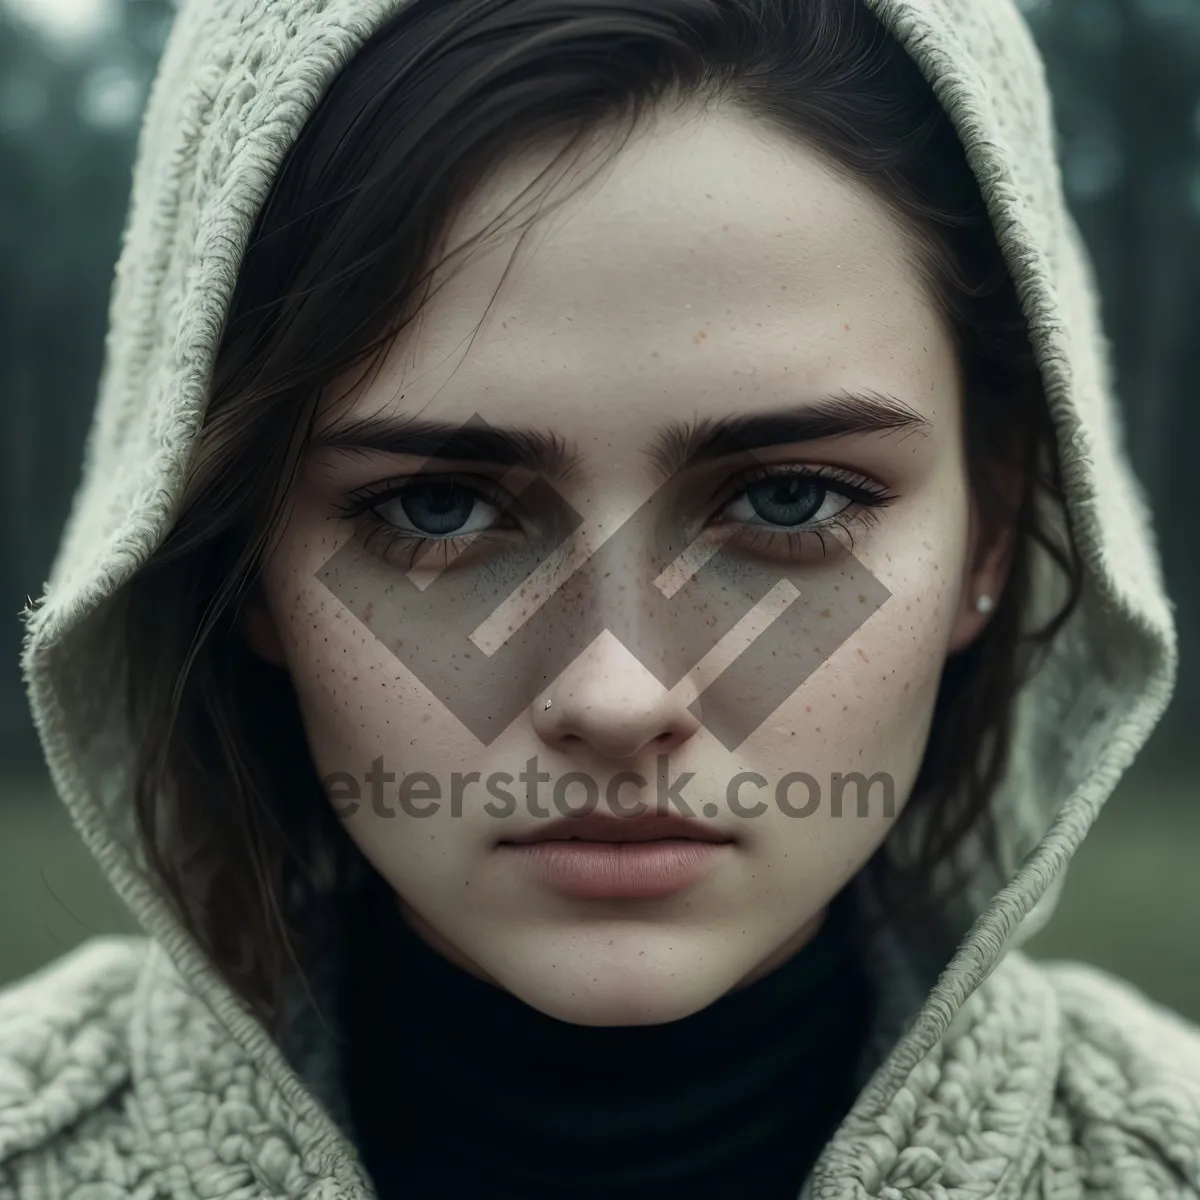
(717, 533)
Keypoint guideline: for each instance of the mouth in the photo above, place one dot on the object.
(598, 857)
(603, 828)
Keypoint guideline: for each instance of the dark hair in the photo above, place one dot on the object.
(232, 815)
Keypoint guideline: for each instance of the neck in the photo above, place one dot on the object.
(447, 1072)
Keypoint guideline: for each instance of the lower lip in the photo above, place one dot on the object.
(618, 870)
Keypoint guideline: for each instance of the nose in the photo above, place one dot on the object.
(610, 704)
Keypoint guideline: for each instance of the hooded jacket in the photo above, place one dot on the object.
(129, 1067)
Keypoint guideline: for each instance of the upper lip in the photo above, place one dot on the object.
(601, 827)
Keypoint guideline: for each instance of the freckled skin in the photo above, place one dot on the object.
(715, 267)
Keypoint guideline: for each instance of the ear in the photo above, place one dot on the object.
(989, 556)
(259, 630)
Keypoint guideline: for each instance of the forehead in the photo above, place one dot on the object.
(711, 260)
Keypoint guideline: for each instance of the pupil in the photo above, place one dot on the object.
(786, 501)
(438, 508)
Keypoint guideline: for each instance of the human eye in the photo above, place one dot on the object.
(787, 510)
(412, 517)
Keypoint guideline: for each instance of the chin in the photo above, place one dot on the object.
(617, 978)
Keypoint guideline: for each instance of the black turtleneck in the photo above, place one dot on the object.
(458, 1088)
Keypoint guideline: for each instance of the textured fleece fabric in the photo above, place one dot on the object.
(128, 1068)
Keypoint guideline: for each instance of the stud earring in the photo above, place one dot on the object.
(984, 604)
(547, 704)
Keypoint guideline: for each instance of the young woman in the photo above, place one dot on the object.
(604, 597)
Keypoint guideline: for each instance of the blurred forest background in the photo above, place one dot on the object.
(1126, 76)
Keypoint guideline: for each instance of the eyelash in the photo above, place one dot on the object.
(867, 498)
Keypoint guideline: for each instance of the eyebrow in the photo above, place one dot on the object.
(473, 441)
(674, 448)
(845, 414)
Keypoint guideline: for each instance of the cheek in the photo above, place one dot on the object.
(356, 699)
(866, 712)
(367, 722)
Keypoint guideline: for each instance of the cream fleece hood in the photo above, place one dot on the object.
(236, 83)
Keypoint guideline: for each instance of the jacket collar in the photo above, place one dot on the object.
(971, 1111)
